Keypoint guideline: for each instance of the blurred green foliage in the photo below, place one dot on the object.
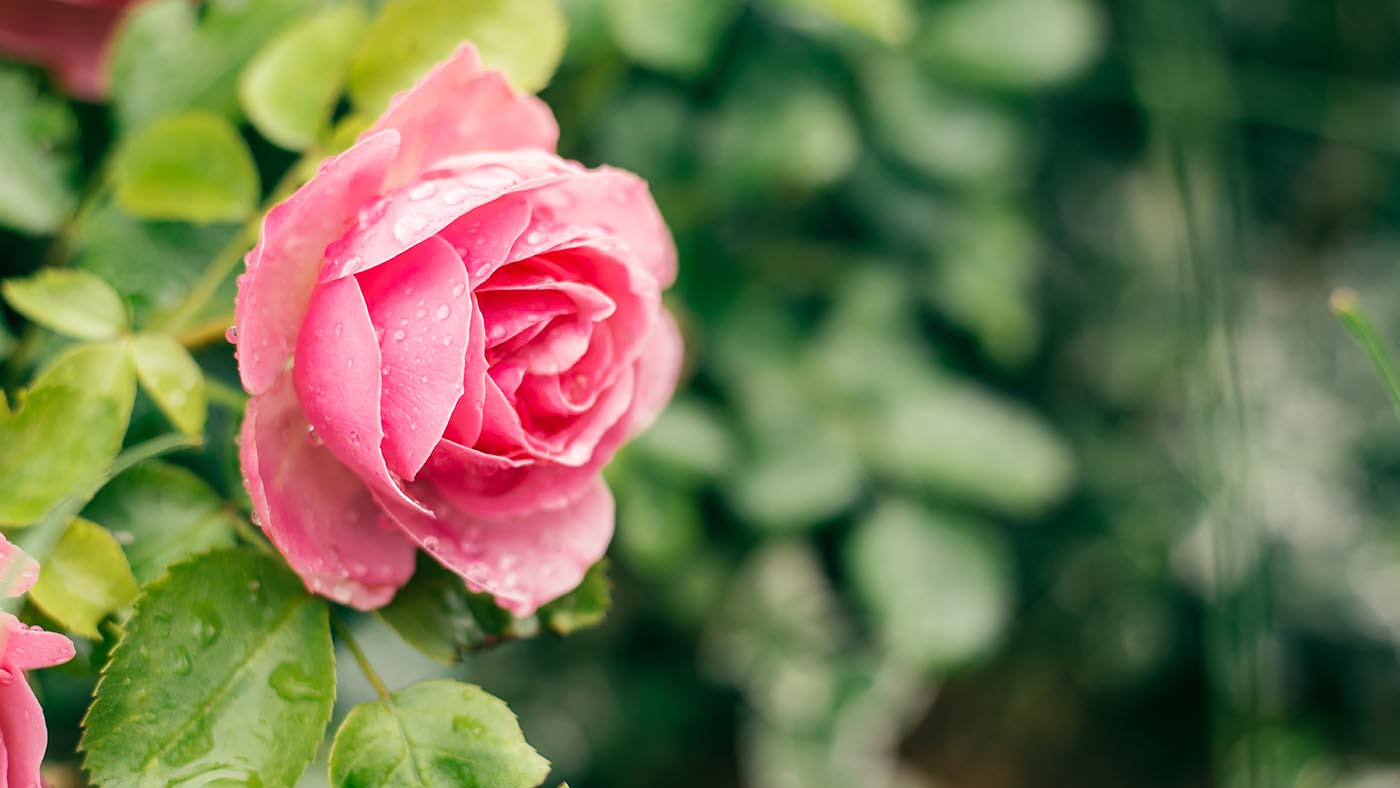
(1016, 445)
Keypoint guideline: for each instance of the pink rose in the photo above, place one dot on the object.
(474, 327)
(23, 735)
(69, 37)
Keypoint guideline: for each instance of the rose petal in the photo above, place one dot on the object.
(658, 371)
(615, 202)
(31, 648)
(18, 572)
(421, 311)
(23, 735)
(282, 268)
(405, 217)
(338, 377)
(320, 516)
(460, 108)
(523, 560)
(465, 424)
(484, 236)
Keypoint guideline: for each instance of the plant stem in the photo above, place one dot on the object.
(348, 638)
(1349, 311)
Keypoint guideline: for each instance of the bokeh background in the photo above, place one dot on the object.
(1017, 445)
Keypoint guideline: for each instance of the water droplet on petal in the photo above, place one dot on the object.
(423, 191)
(232, 335)
(313, 437)
(443, 311)
(431, 543)
(458, 289)
(420, 314)
(455, 196)
(399, 334)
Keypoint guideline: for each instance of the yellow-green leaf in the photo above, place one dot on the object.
(192, 167)
(84, 580)
(173, 380)
(70, 301)
(290, 88)
(523, 38)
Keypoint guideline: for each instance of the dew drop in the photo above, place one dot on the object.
(232, 335)
(399, 334)
(292, 683)
(339, 327)
(313, 437)
(431, 543)
(455, 196)
(207, 625)
(409, 225)
(442, 312)
(420, 314)
(423, 191)
(458, 289)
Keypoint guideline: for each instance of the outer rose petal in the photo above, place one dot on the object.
(460, 108)
(31, 648)
(18, 572)
(620, 204)
(283, 267)
(658, 370)
(422, 313)
(318, 514)
(406, 217)
(23, 735)
(524, 560)
(338, 378)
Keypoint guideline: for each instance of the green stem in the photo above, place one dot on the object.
(1348, 310)
(348, 638)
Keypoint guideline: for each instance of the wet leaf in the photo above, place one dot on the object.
(434, 733)
(173, 380)
(225, 671)
(71, 302)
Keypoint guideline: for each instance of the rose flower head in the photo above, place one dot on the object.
(447, 333)
(69, 37)
(23, 735)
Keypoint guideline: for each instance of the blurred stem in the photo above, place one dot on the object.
(221, 393)
(348, 638)
(1353, 317)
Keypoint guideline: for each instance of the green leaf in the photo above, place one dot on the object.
(523, 38)
(171, 55)
(939, 588)
(36, 137)
(940, 132)
(173, 380)
(985, 283)
(74, 303)
(582, 608)
(964, 441)
(434, 733)
(677, 36)
(162, 514)
(437, 615)
(290, 88)
(784, 135)
(67, 427)
(192, 167)
(224, 672)
(84, 579)
(1013, 43)
(152, 264)
(890, 21)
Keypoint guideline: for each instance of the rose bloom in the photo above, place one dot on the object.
(447, 334)
(69, 37)
(23, 735)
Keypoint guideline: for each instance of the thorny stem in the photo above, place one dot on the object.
(348, 638)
